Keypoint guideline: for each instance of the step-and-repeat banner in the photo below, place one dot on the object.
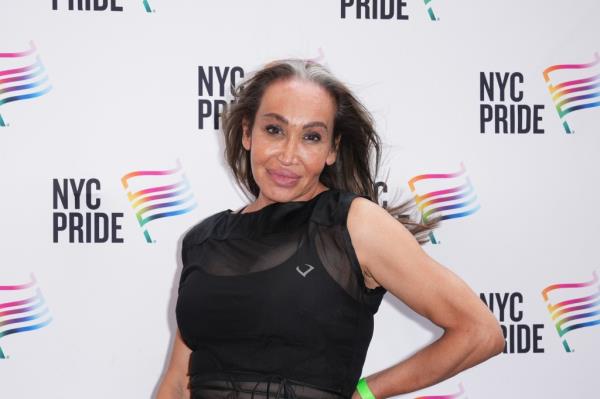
(110, 149)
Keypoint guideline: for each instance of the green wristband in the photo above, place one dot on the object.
(363, 389)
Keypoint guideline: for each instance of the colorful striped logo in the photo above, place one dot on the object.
(460, 394)
(158, 194)
(22, 308)
(456, 199)
(574, 306)
(573, 93)
(24, 77)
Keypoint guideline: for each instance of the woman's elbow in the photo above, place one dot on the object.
(484, 337)
(491, 339)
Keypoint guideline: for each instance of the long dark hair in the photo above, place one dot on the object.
(354, 169)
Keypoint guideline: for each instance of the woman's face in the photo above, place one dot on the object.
(291, 140)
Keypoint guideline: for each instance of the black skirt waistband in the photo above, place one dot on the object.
(235, 384)
(232, 389)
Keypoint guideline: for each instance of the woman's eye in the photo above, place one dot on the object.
(272, 129)
(314, 137)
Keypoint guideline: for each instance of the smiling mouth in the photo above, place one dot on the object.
(284, 179)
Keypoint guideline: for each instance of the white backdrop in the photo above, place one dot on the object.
(117, 92)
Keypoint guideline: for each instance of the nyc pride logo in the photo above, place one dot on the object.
(574, 87)
(22, 77)
(449, 195)
(94, 5)
(380, 9)
(573, 306)
(22, 308)
(156, 194)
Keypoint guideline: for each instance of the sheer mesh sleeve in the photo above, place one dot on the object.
(191, 246)
(336, 252)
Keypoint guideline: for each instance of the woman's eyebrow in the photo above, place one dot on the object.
(283, 120)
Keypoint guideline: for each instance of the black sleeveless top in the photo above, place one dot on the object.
(278, 291)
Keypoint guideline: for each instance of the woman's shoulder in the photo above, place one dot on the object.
(202, 230)
(327, 208)
(334, 208)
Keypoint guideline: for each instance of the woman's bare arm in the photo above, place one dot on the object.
(392, 257)
(174, 384)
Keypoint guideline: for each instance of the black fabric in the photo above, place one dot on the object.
(278, 294)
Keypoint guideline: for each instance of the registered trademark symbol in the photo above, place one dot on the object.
(153, 241)
(153, 10)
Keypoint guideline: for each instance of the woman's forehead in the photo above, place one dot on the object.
(298, 101)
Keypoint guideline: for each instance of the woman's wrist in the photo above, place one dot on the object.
(363, 389)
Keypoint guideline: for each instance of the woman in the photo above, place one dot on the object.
(277, 300)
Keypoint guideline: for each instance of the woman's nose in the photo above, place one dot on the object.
(289, 150)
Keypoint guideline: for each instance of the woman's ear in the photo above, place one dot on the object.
(246, 134)
(331, 158)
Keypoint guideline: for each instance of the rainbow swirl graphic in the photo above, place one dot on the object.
(173, 195)
(575, 94)
(25, 79)
(457, 395)
(578, 307)
(25, 311)
(456, 201)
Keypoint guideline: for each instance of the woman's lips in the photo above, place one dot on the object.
(284, 178)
